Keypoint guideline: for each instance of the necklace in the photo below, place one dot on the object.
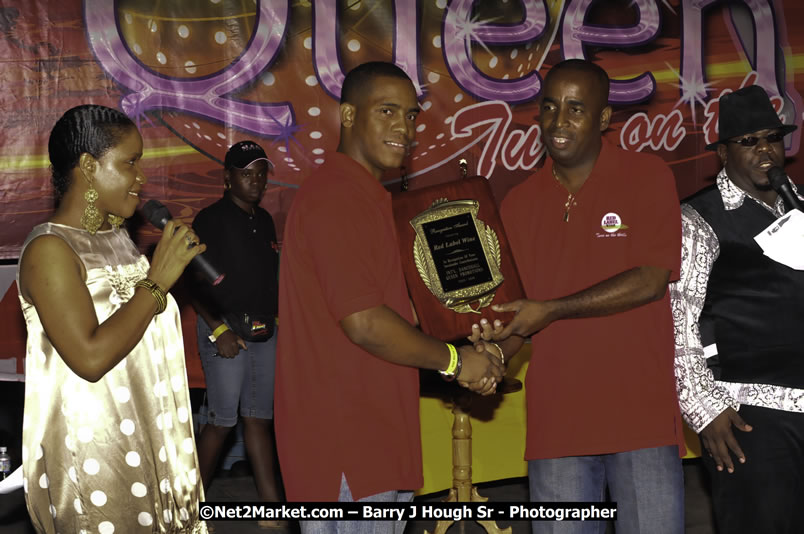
(570, 198)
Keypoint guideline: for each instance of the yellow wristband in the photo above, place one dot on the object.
(220, 330)
(453, 360)
(454, 367)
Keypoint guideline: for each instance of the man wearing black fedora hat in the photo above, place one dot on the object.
(739, 350)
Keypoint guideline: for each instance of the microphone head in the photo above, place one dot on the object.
(156, 213)
(777, 178)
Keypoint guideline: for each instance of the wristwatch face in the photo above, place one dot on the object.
(212, 338)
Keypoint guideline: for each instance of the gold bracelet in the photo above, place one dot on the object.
(502, 356)
(157, 292)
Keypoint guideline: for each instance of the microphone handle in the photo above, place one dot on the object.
(789, 197)
(206, 268)
(199, 263)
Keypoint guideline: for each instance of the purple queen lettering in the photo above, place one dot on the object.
(752, 24)
(205, 96)
(327, 61)
(459, 30)
(575, 34)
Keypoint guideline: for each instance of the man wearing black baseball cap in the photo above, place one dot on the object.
(244, 154)
(739, 350)
(236, 326)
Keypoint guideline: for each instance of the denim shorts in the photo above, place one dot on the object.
(246, 380)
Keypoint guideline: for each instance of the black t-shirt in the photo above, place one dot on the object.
(243, 247)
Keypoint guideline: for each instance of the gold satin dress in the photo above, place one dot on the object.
(117, 455)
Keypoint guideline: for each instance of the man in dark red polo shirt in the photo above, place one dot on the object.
(596, 236)
(347, 387)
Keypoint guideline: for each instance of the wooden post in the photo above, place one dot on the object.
(462, 488)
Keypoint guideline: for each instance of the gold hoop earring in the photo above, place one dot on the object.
(116, 221)
(227, 186)
(91, 220)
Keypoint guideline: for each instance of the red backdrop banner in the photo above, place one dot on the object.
(198, 76)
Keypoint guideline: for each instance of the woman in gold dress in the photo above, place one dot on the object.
(107, 434)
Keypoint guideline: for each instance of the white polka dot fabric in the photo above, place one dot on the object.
(117, 455)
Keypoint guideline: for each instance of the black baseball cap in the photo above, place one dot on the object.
(243, 154)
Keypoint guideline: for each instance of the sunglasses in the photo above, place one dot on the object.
(752, 140)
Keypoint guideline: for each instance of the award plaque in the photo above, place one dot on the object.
(455, 256)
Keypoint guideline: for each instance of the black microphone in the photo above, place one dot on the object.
(158, 215)
(780, 183)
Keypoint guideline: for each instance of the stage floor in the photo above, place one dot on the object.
(238, 486)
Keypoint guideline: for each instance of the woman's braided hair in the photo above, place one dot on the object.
(89, 128)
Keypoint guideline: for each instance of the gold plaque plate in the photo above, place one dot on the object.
(457, 255)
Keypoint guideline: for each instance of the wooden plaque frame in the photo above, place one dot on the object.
(434, 318)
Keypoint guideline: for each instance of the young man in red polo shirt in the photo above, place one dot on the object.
(596, 236)
(347, 387)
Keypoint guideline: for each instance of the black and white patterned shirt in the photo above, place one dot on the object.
(702, 398)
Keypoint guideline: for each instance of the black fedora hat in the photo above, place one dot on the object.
(745, 111)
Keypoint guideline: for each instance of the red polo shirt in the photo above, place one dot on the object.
(605, 384)
(338, 408)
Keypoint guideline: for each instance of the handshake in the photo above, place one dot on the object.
(484, 361)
